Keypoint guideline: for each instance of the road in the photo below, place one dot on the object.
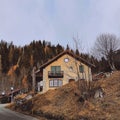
(6, 114)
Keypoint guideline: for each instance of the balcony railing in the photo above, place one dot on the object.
(58, 74)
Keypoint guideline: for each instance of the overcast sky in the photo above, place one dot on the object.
(23, 21)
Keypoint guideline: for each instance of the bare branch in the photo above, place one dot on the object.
(106, 46)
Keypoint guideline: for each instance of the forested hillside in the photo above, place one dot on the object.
(18, 62)
(34, 54)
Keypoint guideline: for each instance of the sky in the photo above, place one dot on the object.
(58, 21)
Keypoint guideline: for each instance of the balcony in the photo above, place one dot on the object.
(58, 74)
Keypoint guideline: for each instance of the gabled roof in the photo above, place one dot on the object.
(63, 53)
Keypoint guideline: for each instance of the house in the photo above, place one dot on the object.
(60, 70)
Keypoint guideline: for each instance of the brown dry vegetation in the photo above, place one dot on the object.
(60, 102)
(64, 103)
(12, 70)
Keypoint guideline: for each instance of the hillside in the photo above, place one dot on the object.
(64, 103)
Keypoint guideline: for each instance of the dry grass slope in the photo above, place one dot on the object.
(64, 103)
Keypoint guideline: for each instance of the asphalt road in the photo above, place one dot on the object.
(6, 114)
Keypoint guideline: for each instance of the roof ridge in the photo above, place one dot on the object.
(66, 52)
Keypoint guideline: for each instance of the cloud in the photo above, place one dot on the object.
(58, 20)
(24, 21)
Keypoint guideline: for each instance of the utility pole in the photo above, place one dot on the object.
(33, 79)
(33, 84)
(1, 79)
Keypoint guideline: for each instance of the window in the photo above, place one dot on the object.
(60, 83)
(55, 68)
(66, 60)
(71, 68)
(51, 83)
(81, 68)
(55, 83)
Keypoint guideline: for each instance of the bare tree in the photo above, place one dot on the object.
(105, 46)
(85, 86)
(78, 46)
